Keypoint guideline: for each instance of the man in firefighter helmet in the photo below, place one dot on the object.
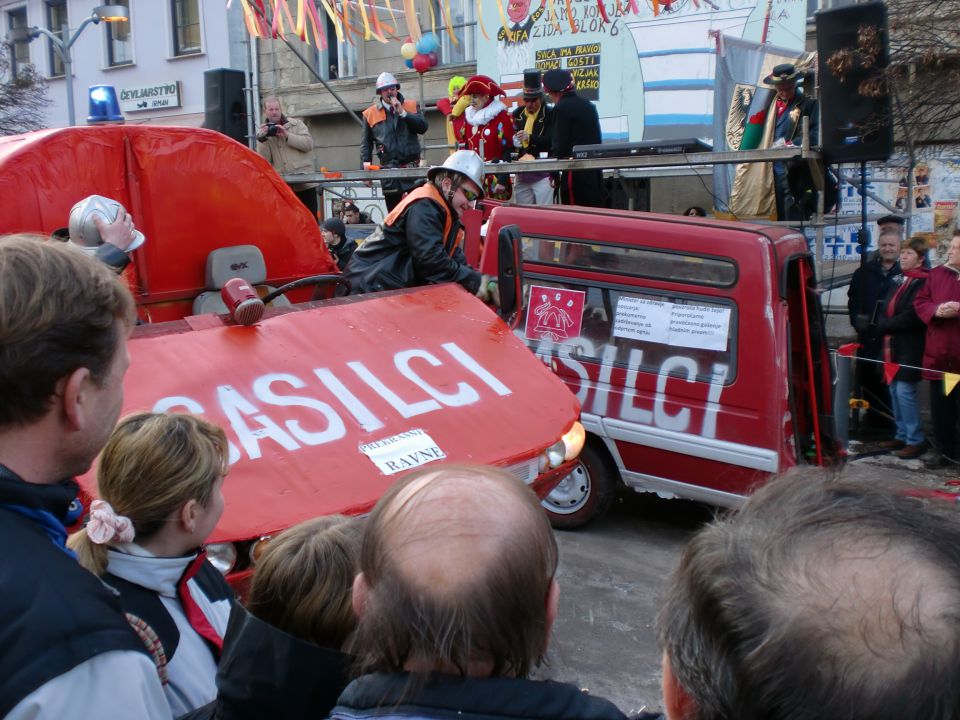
(391, 126)
(421, 242)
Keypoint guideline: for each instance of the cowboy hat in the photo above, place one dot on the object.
(783, 73)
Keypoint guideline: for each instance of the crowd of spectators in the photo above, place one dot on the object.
(820, 597)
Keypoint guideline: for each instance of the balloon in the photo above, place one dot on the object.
(408, 63)
(423, 46)
(421, 63)
(433, 58)
(408, 51)
(431, 42)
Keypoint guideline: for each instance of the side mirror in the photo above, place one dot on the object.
(510, 274)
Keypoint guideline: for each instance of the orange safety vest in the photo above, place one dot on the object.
(377, 114)
(428, 192)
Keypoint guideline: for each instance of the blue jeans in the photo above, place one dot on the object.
(906, 411)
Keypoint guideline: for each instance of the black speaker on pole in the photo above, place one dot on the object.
(854, 127)
(224, 102)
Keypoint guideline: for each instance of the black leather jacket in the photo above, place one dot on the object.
(393, 139)
(410, 252)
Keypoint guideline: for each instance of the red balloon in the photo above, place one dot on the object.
(421, 63)
(434, 58)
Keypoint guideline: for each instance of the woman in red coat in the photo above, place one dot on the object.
(938, 305)
(487, 128)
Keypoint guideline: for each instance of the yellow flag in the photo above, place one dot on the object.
(950, 381)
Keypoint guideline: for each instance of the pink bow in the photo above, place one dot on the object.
(105, 525)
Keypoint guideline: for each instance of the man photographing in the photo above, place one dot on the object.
(287, 145)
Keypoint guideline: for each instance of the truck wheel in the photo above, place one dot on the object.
(584, 494)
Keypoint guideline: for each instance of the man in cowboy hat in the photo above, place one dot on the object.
(531, 138)
(574, 122)
(792, 181)
(390, 127)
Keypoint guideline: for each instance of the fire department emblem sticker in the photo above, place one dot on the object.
(554, 313)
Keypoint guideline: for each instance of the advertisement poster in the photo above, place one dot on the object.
(933, 209)
(650, 73)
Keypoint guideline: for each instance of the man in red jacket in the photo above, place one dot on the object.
(938, 305)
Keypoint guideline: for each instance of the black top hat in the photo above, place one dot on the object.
(783, 73)
(531, 85)
(558, 81)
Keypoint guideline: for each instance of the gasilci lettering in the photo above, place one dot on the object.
(288, 412)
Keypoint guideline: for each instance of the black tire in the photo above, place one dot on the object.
(586, 493)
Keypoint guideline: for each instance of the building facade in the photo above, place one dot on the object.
(155, 60)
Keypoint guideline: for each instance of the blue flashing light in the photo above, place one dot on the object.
(104, 106)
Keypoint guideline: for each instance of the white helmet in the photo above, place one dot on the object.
(464, 162)
(385, 80)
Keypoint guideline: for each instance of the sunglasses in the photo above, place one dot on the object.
(470, 195)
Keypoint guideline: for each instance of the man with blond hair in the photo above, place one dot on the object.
(455, 598)
(67, 648)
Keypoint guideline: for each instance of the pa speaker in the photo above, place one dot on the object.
(225, 106)
(854, 126)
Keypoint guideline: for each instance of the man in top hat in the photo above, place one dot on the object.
(531, 138)
(390, 128)
(792, 181)
(574, 121)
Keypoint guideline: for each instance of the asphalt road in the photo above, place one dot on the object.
(611, 579)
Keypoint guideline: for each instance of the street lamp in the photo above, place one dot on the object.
(106, 13)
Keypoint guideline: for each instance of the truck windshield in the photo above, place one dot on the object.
(633, 261)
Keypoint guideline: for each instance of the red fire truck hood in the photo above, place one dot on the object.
(325, 408)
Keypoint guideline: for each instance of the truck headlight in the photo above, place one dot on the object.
(565, 449)
(223, 556)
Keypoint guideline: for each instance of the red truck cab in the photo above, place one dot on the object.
(695, 347)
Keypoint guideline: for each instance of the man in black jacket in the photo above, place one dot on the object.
(531, 138)
(335, 236)
(869, 287)
(66, 645)
(574, 122)
(420, 242)
(455, 600)
(390, 129)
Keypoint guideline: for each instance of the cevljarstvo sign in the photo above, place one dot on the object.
(158, 96)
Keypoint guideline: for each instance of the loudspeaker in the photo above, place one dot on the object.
(853, 127)
(224, 102)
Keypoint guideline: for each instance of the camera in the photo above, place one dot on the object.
(271, 129)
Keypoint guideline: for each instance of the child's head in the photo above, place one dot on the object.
(162, 472)
(304, 580)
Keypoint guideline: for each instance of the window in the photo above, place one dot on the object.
(119, 45)
(186, 27)
(346, 56)
(651, 331)
(19, 52)
(634, 261)
(463, 19)
(56, 20)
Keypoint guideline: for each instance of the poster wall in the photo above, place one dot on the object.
(651, 74)
(932, 209)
